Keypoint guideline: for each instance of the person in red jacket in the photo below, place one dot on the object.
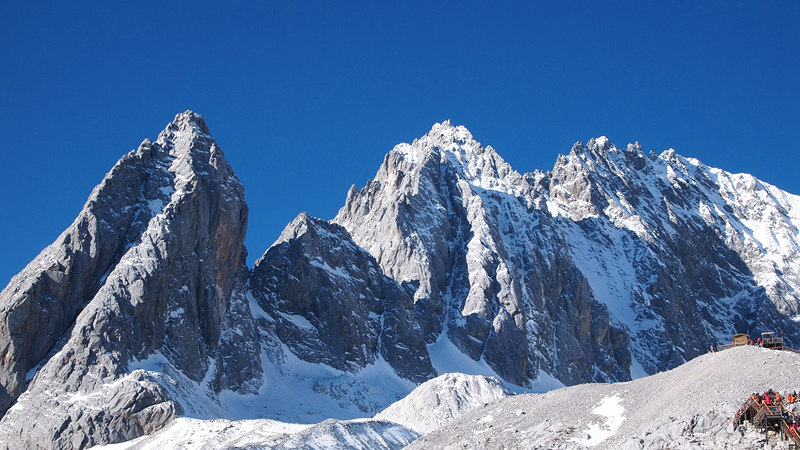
(767, 399)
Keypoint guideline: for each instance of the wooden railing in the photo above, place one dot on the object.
(790, 434)
(764, 416)
(760, 417)
(772, 344)
(740, 414)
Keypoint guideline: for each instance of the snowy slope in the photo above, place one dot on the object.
(691, 406)
(431, 405)
(438, 401)
(679, 252)
(186, 433)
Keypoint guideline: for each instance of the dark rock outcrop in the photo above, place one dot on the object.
(333, 304)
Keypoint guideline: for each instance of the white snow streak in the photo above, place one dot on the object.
(613, 411)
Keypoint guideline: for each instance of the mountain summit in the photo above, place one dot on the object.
(148, 265)
(615, 264)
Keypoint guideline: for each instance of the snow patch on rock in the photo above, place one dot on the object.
(613, 411)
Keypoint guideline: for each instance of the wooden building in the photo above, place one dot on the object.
(741, 339)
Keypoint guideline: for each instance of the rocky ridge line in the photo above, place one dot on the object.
(613, 264)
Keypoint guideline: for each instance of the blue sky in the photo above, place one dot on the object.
(305, 98)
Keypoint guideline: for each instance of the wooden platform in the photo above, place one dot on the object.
(768, 418)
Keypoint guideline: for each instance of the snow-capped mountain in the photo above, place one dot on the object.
(148, 266)
(615, 261)
(613, 265)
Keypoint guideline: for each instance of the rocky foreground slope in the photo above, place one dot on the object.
(614, 264)
(691, 406)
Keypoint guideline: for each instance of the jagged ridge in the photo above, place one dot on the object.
(613, 264)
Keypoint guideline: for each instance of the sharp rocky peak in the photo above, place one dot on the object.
(296, 227)
(599, 165)
(601, 155)
(156, 247)
(188, 121)
(303, 225)
(188, 136)
(601, 151)
(456, 147)
(443, 137)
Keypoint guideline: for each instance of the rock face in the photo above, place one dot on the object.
(489, 262)
(613, 264)
(614, 259)
(672, 247)
(333, 305)
(148, 266)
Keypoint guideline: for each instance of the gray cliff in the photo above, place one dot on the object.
(332, 304)
(452, 218)
(148, 266)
